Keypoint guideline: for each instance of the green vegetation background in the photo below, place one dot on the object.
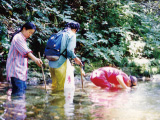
(120, 33)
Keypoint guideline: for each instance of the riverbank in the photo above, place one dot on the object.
(37, 81)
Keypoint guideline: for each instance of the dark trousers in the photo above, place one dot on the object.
(18, 87)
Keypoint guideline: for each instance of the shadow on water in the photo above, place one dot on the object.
(92, 103)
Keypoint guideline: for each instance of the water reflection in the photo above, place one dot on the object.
(61, 105)
(138, 104)
(107, 101)
(69, 106)
(14, 107)
(94, 103)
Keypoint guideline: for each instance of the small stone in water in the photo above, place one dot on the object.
(56, 117)
(30, 112)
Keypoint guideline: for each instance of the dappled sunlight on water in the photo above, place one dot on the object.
(90, 103)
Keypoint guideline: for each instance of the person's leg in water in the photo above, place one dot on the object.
(18, 87)
(58, 77)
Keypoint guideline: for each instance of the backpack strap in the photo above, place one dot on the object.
(65, 50)
(64, 55)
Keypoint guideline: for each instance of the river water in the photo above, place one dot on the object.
(91, 103)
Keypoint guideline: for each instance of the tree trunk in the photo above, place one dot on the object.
(1, 76)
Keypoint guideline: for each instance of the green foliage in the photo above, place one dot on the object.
(3, 36)
(4, 41)
(112, 31)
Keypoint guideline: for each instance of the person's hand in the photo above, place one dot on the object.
(39, 62)
(78, 61)
(128, 89)
(35, 59)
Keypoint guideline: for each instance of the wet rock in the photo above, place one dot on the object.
(33, 81)
(56, 117)
(30, 113)
(144, 78)
(155, 77)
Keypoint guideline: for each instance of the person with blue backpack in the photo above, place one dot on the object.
(58, 67)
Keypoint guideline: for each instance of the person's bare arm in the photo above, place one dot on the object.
(121, 82)
(35, 59)
(78, 61)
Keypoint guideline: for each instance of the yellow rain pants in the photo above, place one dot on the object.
(58, 76)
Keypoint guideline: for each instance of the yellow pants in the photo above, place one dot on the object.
(58, 76)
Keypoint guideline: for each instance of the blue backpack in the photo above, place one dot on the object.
(53, 47)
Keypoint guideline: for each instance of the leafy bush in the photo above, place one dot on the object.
(112, 32)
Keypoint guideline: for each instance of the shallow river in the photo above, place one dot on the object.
(92, 103)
